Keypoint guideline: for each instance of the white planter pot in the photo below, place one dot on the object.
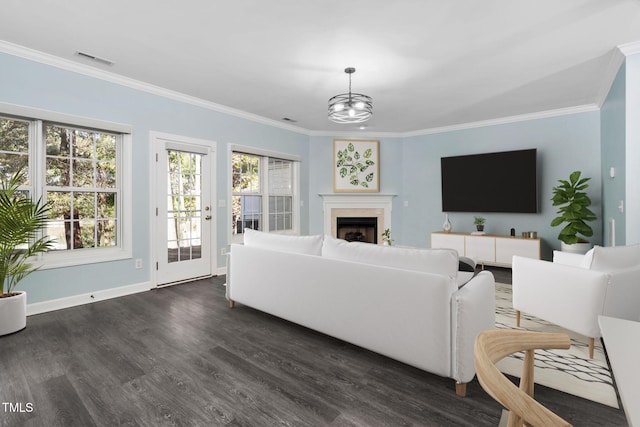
(576, 248)
(13, 313)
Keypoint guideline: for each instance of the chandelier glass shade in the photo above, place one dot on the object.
(350, 107)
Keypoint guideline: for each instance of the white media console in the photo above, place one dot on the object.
(488, 249)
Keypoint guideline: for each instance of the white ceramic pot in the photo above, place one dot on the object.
(576, 248)
(13, 313)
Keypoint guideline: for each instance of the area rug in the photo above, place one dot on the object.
(570, 371)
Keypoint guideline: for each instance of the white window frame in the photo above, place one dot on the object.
(264, 188)
(37, 172)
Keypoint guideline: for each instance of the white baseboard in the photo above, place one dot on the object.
(220, 271)
(88, 298)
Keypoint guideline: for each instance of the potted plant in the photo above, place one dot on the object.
(21, 220)
(479, 223)
(574, 211)
(386, 237)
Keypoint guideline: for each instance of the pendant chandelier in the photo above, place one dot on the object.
(350, 107)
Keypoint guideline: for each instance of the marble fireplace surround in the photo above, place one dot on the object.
(356, 205)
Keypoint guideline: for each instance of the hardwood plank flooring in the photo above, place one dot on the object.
(180, 356)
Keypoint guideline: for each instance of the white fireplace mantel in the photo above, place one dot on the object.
(354, 205)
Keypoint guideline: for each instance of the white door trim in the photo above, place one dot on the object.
(156, 143)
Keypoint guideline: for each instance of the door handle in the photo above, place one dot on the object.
(208, 217)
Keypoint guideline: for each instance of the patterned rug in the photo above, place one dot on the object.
(570, 371)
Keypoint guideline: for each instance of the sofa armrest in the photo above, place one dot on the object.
(568, 296)
(473, 310)
(623, 294)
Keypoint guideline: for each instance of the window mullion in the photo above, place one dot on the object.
(264, 192)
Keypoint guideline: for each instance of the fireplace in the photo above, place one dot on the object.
(373, 207)
(357, 229)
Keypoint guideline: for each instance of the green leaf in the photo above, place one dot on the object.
(573, 209)
(369, 177)
(343, 172)
(354, 180)
(356, 155)
(367, 153)
(364, 184)
(351, 147)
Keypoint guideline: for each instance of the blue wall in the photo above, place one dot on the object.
(632, 148)
(410, 168)
(321, 177)
(41, 86)
(564, 144)
(613, 128)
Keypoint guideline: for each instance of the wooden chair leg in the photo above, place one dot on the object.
(591, 346)
(461, 389)
(518, 318)
(232, 303)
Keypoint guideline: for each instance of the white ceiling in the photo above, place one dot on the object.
(426, 63)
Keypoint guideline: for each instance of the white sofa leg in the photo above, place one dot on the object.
(518, 318)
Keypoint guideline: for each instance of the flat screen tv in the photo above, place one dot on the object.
(490, 182)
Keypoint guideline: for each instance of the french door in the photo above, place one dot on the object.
(184, 215)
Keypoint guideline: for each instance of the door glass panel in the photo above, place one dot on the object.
(184, 193)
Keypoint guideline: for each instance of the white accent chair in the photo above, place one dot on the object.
(573, 290)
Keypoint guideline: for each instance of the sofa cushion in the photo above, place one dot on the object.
(614, 258)
(310, 245)
(437, 261)
(587, 260)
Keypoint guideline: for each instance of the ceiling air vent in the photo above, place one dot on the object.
(94, 58)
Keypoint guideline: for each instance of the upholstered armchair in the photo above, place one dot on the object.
(574, 289)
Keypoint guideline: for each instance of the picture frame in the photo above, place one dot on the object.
(356, 166)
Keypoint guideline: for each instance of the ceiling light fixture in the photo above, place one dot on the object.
(350, 107)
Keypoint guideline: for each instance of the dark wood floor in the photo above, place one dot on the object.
(180, 356)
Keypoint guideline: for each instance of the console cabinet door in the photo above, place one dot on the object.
(448, 241)
(480, 248)
(506, 248)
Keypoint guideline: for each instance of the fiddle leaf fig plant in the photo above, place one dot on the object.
(574, 209)
(21, 220)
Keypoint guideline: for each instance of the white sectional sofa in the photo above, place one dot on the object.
(407, 304)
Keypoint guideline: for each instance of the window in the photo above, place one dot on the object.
(78, 170)
(81, 186)
(263, 194)
(280, 195)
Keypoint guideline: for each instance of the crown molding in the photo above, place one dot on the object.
(629, 49)
(355, 134)
(68, 65)
(506, 120)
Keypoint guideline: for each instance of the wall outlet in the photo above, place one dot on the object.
(138, 263)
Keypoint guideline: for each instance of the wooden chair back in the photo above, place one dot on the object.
(494, 345)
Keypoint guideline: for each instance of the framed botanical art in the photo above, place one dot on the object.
(355, 166)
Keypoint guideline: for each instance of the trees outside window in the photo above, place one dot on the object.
(263, 191)
(76, 170)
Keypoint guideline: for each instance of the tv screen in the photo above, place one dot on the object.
(490, 182)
